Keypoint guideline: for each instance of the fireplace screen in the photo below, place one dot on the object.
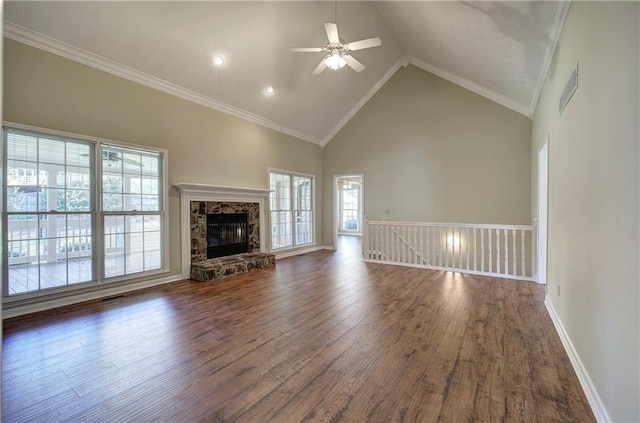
(227, 234)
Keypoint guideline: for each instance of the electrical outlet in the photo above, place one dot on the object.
(387, 212)
(558, 290)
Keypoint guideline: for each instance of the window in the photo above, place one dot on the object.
(54, 216)
(350, 209)
(291, 203)
(131, 211)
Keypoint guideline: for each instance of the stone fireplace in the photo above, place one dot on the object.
(216, 230)
(199, 200)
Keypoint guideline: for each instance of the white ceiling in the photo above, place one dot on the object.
(497, 49)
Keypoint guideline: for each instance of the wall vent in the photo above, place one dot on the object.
(570, 87)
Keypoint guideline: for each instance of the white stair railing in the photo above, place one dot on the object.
(506, 251)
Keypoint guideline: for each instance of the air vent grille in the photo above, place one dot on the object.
(570, 87)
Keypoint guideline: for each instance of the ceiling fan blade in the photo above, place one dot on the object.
(368, 43)
(355, 64)
(332, 32)
(320, 68)
(306, 49)
(132, 162)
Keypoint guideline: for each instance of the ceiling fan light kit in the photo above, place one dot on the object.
(334, 60)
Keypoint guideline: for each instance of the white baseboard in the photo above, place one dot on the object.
(597, 407)
(297, 252)
(13, 310)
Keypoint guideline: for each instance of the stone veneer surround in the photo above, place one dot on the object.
(214, 193)
(199, 212)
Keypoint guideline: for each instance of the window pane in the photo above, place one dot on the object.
(350, 198)
(22, 186)
(132, 244)
(44, 174)
(124, 187)
(52, 151)
(304, 210)
(21, 146)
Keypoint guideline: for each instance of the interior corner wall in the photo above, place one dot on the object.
(594, 190)
(205, 146)
(432, 151)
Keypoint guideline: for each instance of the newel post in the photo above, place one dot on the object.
(365, 238)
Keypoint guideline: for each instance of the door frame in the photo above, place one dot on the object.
(543, 214)
(336, 203)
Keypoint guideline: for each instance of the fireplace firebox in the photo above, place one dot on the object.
(227, 234)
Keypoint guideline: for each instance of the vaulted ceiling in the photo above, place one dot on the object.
(498, 49)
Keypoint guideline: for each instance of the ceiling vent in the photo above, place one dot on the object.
(569, 88)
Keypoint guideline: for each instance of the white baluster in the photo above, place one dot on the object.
(515, 258)
(482, 248)
(467, 245)
(394, 243)
(475, 250)
(490, 253)
(404, 244)
(428, 250)
(387, 243)
(446, 243)
(440, 244)
(522, 252)
(434, 245)
(453, 247)
(373, 239)
(506, 252)
(417, 239)
(460, 248)
(422, 242)
(408, 244)
(414, 244)
(498, 256)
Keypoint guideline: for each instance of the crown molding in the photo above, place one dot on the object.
(553, 37)
(472, 86)
(356, 108)
(42, 42)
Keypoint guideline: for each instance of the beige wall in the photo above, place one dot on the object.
(433, 151)
(593, 196)
(205, 146)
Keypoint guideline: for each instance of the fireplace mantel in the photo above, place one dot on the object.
(222, 193)
(201, 192)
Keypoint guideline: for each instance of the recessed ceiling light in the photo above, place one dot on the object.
(269, 90)
(218, 60)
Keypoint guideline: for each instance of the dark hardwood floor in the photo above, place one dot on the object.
(322, 337)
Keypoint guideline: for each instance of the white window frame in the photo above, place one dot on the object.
(292, 174)
(98, 229)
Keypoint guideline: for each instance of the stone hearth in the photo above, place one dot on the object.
(223, 267)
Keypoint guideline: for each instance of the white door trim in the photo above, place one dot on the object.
(543, 212)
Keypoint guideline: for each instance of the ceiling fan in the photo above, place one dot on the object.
(337, 52)
(110, 157)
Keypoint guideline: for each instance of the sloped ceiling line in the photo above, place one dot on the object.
(42, 42)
